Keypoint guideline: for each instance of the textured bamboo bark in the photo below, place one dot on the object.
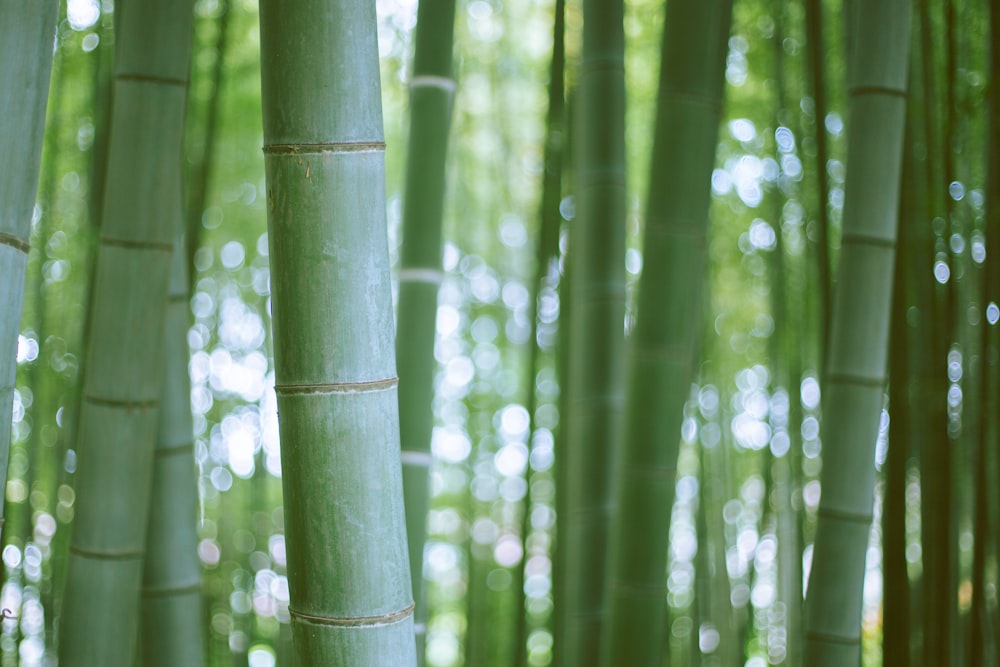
(856, 366)
(663, 346)
(171, 589)
(348, 574)
(594, 392)
(26, 34)
(432, 89)
(143, 210)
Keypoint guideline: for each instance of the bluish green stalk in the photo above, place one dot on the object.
(432, 89)
(143, 213)
(335, 377)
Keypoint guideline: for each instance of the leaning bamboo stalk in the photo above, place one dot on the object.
(26, 34)
(348, 574)
(143, 212)
(855, 378)
(663, 346)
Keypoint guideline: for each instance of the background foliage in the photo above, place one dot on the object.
(750, 453)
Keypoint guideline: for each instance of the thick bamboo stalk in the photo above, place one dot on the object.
(26, 34)
(663, 346)
(856, 366)
(348, 573)
(143, 212)
(432, 89)
(171, 588)
(594, 392)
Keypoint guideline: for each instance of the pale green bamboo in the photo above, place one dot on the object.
(27, 30)
(855, 377)
(662, 349)
(171, 588)
(597, 292)
(432, 89)
(143, 210)
(348, 573)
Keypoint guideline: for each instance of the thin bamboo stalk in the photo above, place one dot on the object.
(26, 34)
(432, 90)
(545, 260)
(171, 589)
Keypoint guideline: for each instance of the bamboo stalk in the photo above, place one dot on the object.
(348, 575)
(856, 365)
(143, 210)
(26, 34)
(594, 392)
(662, 349)
(432, 90)
(171, 589)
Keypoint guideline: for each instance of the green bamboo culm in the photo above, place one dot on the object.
(855, 375)
(662, 349)
(143, 213)
(349, 578)
(27, 30)
(596, 346)
(432, 90)
(171, 588)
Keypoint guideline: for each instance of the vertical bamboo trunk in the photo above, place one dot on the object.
(855, 376)
(432, 89)
(547, 254)
(594, 392)
(201, 173)
(26, 34)
(663, 345)
(986, 631)
(786, 364)
(143, 210)
(171, 590)
(817, 86)
(348, 574)
(896, 584)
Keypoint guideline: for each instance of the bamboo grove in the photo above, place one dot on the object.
(601, 333)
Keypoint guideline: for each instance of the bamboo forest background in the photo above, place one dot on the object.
(747, 489)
